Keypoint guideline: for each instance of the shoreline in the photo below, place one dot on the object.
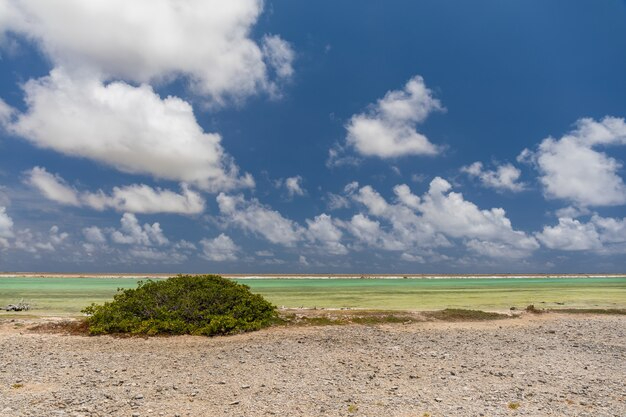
(536, 364)
(307, 276)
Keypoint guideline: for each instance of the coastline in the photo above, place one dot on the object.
(305, 276)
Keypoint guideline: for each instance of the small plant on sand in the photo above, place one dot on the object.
(201, 305)
(513, 406)
(532, 309)
(17, 386)
(352, 408)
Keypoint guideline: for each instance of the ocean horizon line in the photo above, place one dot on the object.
(306, 276)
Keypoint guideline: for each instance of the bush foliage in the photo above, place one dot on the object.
(200, 305)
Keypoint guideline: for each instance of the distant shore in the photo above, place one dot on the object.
(302, 276)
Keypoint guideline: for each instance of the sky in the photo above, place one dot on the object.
(313, 137)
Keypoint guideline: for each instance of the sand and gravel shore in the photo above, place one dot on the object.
(536, 365)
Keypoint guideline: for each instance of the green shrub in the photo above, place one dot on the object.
(202, 305)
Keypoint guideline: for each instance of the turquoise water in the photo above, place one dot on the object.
(67, 296)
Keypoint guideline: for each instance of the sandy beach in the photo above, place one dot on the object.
(535, 365)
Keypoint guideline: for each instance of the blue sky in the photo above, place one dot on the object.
(321, 137)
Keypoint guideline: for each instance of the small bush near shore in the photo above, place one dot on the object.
(200, 305)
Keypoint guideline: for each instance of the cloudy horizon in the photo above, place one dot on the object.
(251, 136)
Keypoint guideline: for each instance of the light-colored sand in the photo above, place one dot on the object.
(547, 365)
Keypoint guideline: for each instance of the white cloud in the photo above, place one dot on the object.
(370, 232)
(571, 235)
(421, 224)
(131, 233)
(6, 112)
(408, 230)
(337, 157)
(279, 55)
(52, 186)
(137, 244)
(572, 212)
(140, 198)
(336, 201)
(503, 178)
(322, 230)
(35, 242)
(258, 219)
(387, 130)
(220, 249)
(6, 228)
(31, 242)
(611, 230)
(57, 237)
(94, 235)
(114, 123)
(454, 216)
(206, 41)
(293, 185)
(137, 198)
(150, 255)
(412, 258)
(303, 261)
(406, 197)
(497, 250)
(6, 224)
(572, 169)
(600, 234)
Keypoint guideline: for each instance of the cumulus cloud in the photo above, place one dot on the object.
(433, 220)
(114, 123)
(133, 243)
(323, 231)
(140, 198)
(336, 201)
(252, 216)
(601, 234)
(571, 235)
(572, 169)
(6, 228)
(6, 113)
(206, 41)
(406, 197)
(36, 242)
(94, 235)
(220, 249)
(279, 55)
(6, 224)
(136, 198)
(387, 130)
(454, 216)
(56, 236)
(293, 186)
(132, 233)
(53, 187)
(504, 178)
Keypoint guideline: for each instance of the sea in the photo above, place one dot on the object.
(68, 295)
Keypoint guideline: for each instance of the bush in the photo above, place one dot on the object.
(200, 305)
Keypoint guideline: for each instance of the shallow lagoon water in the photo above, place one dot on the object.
(67, 296)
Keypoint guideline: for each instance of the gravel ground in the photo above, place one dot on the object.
(536, 365)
